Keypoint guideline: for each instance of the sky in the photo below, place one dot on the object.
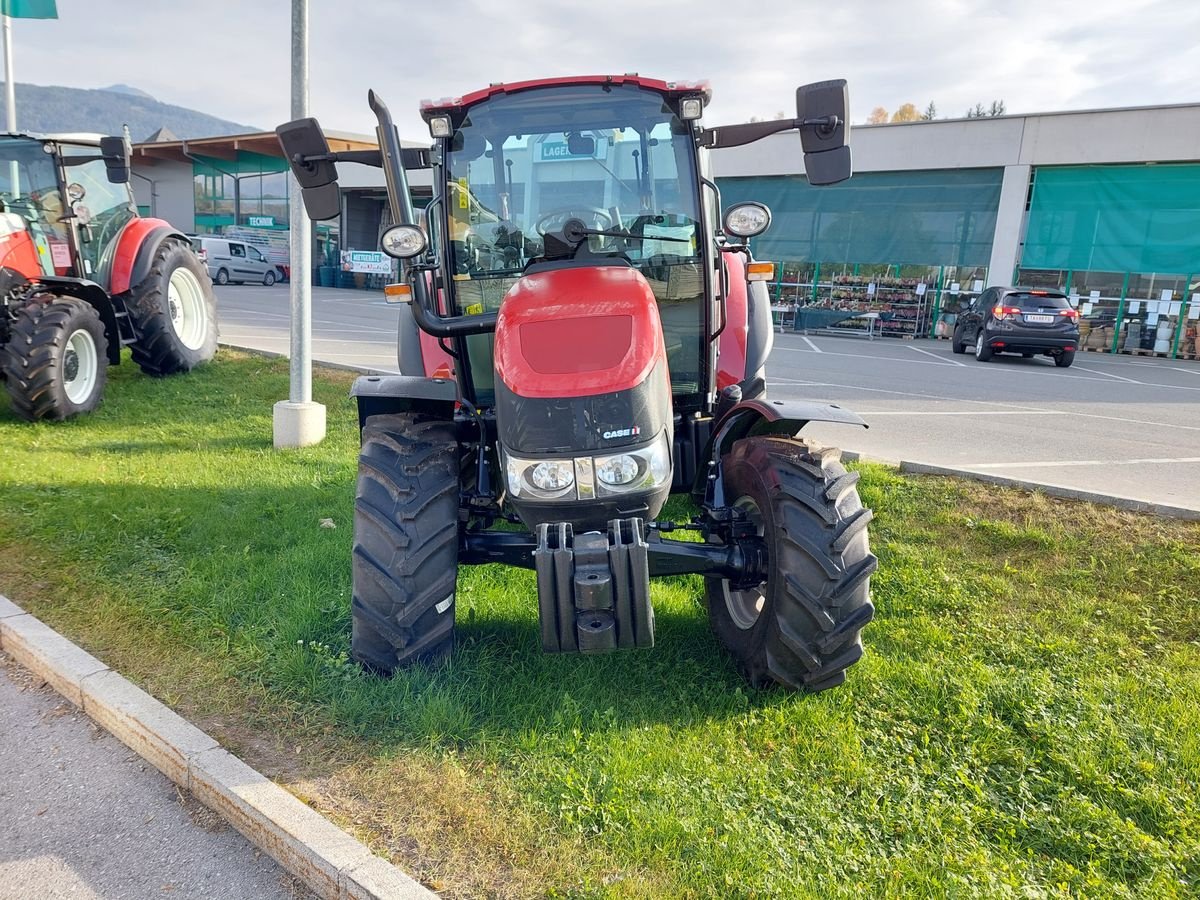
(232, 59)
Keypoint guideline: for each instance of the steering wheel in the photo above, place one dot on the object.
(592, 216)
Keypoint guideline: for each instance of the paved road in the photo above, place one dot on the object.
(83, 817)
(1112, 424)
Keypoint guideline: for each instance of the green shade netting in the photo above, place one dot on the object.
(1115, 219)
(941, 217)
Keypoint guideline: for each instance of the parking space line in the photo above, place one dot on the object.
(806, 340)
(942, 360)
(957, 412)
(1107, 375)
(1060, 412)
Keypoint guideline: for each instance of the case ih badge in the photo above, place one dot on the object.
(569, 287)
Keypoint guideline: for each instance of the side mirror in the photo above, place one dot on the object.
(307, 152)
(116, 151)
(964, 305)
(826, 143)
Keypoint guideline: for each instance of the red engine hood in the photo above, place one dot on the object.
(578, 332)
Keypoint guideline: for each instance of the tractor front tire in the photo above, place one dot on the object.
(175, 312)
(56, 360)
(405, 556)
(800, 628)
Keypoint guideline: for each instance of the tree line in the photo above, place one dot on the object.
(908, 112)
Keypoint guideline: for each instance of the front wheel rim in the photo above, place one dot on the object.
(187, 308)
(745, 607)
(80, 367)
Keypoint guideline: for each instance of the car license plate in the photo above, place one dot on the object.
(1044, 320)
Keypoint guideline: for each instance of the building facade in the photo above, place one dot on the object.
(1103, 204)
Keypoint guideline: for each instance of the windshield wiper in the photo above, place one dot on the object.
(575, 231)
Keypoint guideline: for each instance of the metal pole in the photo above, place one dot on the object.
(298, 422)
(301, 227)
(10, 91)
(10, 104)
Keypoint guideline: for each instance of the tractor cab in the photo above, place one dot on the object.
(60, 208)
(617, 184)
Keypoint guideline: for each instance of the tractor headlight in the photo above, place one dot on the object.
(634, 470)
(586, 477)
(403, 241)
(745, 220)
(553, 476)
(540, 479)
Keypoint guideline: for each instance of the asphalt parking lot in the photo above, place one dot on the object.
(1122, 425)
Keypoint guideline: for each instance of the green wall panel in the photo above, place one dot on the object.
(1115, 219)
(939, 217)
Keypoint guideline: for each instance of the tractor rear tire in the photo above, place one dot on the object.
(56, 360)
(174, 311)
(800, 628)
(405, 556)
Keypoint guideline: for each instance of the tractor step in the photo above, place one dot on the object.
(593, 588)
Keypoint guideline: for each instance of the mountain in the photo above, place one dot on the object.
(127, 89)
(49, 109)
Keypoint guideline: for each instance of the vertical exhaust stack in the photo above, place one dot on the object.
(393, 167)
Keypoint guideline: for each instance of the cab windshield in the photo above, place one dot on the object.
(614, 157)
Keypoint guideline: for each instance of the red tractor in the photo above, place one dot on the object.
(585, 334)
(81, 276)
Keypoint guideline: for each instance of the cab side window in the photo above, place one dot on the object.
(237, 250)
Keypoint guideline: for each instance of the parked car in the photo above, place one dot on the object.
(233, 261)
(1018, 320)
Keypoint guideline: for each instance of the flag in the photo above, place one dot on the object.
(29, 9)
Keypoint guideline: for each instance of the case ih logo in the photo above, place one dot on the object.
(622, 432)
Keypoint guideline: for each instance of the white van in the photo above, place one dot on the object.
(235, 261)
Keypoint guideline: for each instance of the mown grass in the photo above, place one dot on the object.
(1026, 721)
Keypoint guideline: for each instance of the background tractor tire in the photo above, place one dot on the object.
(405, 556)
(56, 362)
(801, 628)
(175, 312)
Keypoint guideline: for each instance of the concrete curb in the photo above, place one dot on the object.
(272, 354)
(334, 865)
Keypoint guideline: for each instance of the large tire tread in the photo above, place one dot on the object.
(32, 360)
(405, 553)
(817, 594)
(158, 349)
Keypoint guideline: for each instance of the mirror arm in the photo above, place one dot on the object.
(737, 135)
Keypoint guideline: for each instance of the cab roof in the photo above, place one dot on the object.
(430, 108)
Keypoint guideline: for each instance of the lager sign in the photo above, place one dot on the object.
(372, 262)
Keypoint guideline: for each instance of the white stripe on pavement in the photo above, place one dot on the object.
(816, 349)
(941, 359)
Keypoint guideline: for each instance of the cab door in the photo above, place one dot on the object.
(96, 209)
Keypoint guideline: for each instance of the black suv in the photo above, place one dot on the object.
(1018, 320)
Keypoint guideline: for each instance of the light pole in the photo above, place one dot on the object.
(298, 422)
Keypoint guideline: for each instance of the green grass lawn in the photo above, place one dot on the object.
(1026, 721)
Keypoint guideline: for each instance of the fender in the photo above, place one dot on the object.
(749, 335)
(751, 417)
(383, 394)
(136, 246)
(92, 293)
